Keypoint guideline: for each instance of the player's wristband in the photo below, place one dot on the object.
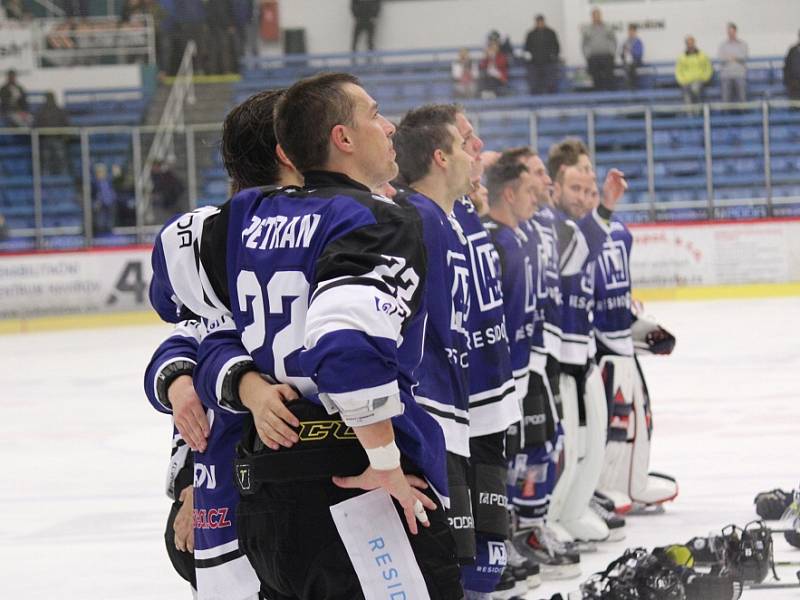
(384, 458)
(167, 375)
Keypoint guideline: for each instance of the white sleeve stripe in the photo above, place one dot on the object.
(498, 391)
(445, 408)
(158, 374)
(217, 550)
(355, 308)
(575, 337)
(221, 378)
(379, 391)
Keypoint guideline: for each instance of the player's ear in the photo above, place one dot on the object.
(283, 159)
(341, 139)
(439, 158)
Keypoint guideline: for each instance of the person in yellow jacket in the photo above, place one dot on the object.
(693, 71)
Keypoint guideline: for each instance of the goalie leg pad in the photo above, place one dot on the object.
(591, 462)
(569, 461)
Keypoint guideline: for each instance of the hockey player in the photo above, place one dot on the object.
(493, 402)
(433, 157)
(324, 284)
(221, 568)
(585, 411)
(625, 478)
(533, 465)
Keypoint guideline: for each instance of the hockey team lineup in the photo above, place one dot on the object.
(400, 337)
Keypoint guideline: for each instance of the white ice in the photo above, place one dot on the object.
(84, 455)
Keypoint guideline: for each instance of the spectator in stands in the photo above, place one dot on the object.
(365, 13)
(733, 71)
(465, 75)
(129, 9)
(599, 48)
(246, 27)
(541, 52)
(14, 10)
(75, 8)
(104, 200)
(632, 55)
(494, 71)
(3, 229)
(14, 102)
(167, 195)
(505, 45)
(791, 72)
(693, 71)
(190, 18)
(53, 147)
(221, 26)
(123, 184)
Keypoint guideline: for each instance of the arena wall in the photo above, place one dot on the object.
(669, 261)
(440, 23)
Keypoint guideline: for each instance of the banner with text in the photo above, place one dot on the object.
(74, 282)
(16, 47)
(673, 255)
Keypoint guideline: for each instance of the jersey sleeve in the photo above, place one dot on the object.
(367, 286)
(175, 356)
(582, 241)
(222, 360)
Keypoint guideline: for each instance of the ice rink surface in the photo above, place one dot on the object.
(84, 455)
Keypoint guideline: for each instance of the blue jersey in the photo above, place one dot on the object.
(536, 253)
(492, 405)
(519, 298)
(326, 289)
(443, 382)
(612, 308)
(577, 339)
(221, 568)
(548, 287)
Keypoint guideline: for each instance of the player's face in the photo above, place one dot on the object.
(541, 178)
(372, 138)
(523, 205)
(573, 190)
(592, 195)
(460, 164)
(474, 144)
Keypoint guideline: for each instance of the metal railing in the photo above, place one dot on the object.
(163, 145)
(46, 210)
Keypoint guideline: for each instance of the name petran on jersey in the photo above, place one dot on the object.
(326, 291)
(492, 403)
(612, 307)
(519, 298)
(577, 343)
(443, 381)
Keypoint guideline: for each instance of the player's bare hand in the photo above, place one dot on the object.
(613, 188)
(403, 488)
(188, 412)
(267, 402)
(184, 521)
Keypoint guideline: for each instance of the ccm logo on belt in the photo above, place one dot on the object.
(316, 431)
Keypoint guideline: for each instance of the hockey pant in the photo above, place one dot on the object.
(533, 459)
(487, 476)
(585, 423)
(625, 477)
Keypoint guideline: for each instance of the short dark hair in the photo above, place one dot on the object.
(421, 132)
(306, 114)
(633, 26)
(564, 153)
(506, 171)
(733, 26)
(518, 153)
(248, 141)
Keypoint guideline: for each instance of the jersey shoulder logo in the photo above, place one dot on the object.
(460, 305)
(485, 261)
(614, 265)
